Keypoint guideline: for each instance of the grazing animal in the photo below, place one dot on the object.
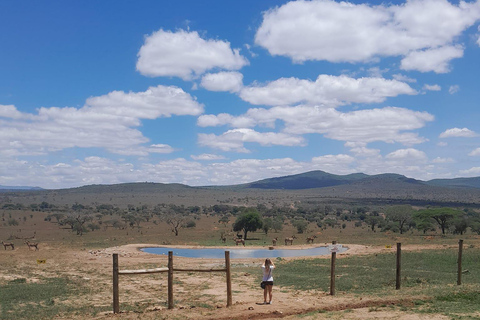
(290, 240)
(310, 239)
(32, 245)
(274, 241)
(8, 244)
(237, 241)
(223, 238)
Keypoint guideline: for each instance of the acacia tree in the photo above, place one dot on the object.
(402, 215)
(248, 221)
(77, 220)
(175, 217)
(443, 216)
(373, 221)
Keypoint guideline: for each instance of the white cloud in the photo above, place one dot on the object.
(207, 157)
(457, 132)
(160, 148)
(223, 81)
(376, 72)
(475, 152)
(407, 156)
(436, 60)
(346, 32)
(472, 172)
(332, 163)
(442, 144)
(453, 89)
(107, 121)
(155, 102)
(326, 90)
(233, 140)
(98, 170)
(403, 78)
(9, 111)
(432, 87)
(443, 160)
(362, 126)
(186, 55)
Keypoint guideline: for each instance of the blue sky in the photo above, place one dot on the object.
(228, 92)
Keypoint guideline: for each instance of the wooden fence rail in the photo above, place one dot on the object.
(170, 270)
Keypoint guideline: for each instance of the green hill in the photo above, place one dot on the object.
(456, 182)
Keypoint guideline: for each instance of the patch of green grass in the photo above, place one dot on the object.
(20, 299)
(373, 274)
(463, 304)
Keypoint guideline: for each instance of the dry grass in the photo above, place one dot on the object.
(78, 271)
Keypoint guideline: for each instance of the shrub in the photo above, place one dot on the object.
(12, 222)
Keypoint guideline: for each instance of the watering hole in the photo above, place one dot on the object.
(219, 253)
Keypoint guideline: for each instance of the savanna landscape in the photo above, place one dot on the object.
(68, 274)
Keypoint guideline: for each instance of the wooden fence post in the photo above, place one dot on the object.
(399, 266)
(332, 272)
(459, 262)
(229, 278)
(116, 304)
(170, 279)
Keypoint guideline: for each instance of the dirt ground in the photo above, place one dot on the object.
(149, 292)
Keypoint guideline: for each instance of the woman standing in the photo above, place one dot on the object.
(267, 279)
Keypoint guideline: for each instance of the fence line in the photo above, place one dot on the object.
(170, 270)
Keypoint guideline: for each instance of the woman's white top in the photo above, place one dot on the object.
(267, 274)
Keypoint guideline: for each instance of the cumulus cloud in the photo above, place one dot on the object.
(362, 126)
(403, 78)
(432, 87)
(411, 155)
(207, 157)
(475, 152)
(223, 81)
(107, 121)
(160, 148)
(436, 60)
(233, 140)
(186, 55)
(443, 160)
(472, 172)
(453, 89)
(9, 111)
(457, 132)
(155, 102)
(325, 90)
(347, 32)
(99, 170)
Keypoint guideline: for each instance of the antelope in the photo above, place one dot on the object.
(290, 240)
(237, 241)
(274, 241)
(223, 238)
(32, 245)
(310, 239)
(8, 244)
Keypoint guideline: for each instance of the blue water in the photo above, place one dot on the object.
(215, 253)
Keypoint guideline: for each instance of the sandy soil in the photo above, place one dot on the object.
(94, 267)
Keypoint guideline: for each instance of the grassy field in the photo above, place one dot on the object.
(74, 283)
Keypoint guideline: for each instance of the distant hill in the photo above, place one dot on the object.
(134, 187)
(308, 187)
(17, 188)
(456, 182)
(321, 179)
